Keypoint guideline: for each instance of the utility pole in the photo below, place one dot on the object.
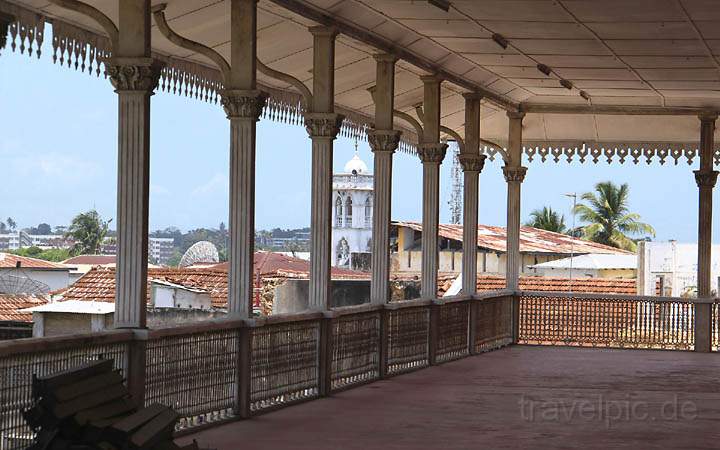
(572, 242)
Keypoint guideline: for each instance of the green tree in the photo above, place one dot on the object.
(11, 224)
(88, 231)
(547, 219)
(609, 220)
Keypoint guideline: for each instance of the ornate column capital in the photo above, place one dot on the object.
(323, 125)
(133, 74)
(706, 178)
(514, 174)
(708, 116)
(472, 162)
(516, 114)
(384, 140)
(243, 104)
(432, 152)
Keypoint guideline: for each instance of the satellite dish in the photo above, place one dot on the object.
(200, 252)
(15, 284)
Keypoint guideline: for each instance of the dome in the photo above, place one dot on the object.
(356, 165)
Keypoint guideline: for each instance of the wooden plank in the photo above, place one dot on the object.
(111, 409)
(83, 387)
(67, 409)
(87, 370)
(160, 427)
(129, 424)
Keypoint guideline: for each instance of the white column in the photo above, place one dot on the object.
(243, 105)
(705, 178)
(134, 75)
(243, 109)
(383, 142)
(431, 152)
(514, 175)
(322, 125)
(472, 163)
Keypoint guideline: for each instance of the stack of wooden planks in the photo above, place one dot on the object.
(89, 407)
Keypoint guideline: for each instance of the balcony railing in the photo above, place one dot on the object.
(600, 320)
(215, 371)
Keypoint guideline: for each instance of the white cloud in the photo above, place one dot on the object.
(156, 189)
(61, 167)
(217, 184)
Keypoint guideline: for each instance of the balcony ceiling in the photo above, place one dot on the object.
(640, 54)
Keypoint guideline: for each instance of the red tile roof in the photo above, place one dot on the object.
(99, 283)
(10, 304)
(274, 264)
(532, 240)
(91, 259)
(626, 286)
(10, 261)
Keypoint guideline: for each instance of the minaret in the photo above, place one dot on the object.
(352, 215)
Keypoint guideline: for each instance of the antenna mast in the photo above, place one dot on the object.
(456, 195)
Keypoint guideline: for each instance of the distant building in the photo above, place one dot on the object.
(160, 250)
(536, 247)
(591, 265)
(22, 239)
(673, 266)
(352, 216)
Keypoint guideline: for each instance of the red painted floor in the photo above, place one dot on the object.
(518, 397)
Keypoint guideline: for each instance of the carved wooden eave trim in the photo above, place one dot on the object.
(606, 152)
(86, 50)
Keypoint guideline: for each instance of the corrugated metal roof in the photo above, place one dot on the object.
(532, 240)
(591, 261)
(10, 261)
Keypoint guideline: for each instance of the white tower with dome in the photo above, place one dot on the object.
(352, 215)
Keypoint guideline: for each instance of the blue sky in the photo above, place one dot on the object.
(58, 157)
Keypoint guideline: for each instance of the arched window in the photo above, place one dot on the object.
(348, 212)
(338, 213)
(368, 212)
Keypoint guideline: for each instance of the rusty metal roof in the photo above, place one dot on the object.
(10, 261)
(532, 240)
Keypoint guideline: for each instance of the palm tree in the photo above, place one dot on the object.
(609, 220)
(88, 230)
(547, 219)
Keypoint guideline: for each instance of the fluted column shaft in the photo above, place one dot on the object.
(514, 176)
(431, 152)
(472, 163)
(383, 141)
(322, 128)
(705, 178)
(134, 80)
(243, 109)
(322, 125)
(383, 145)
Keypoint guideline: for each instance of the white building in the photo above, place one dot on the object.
(673, 266)
(352, 215)
(591, 265)
(22, 239)
(160, 250)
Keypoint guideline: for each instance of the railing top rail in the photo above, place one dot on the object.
(494, 294)
(415, 303)
(196, 327)
(288, 318)
(55, 343)
(604, 296)
(355, 309)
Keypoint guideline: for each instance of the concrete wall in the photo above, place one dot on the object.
(55, 324)
(292, 295)
(451, 261)
(164, 296)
